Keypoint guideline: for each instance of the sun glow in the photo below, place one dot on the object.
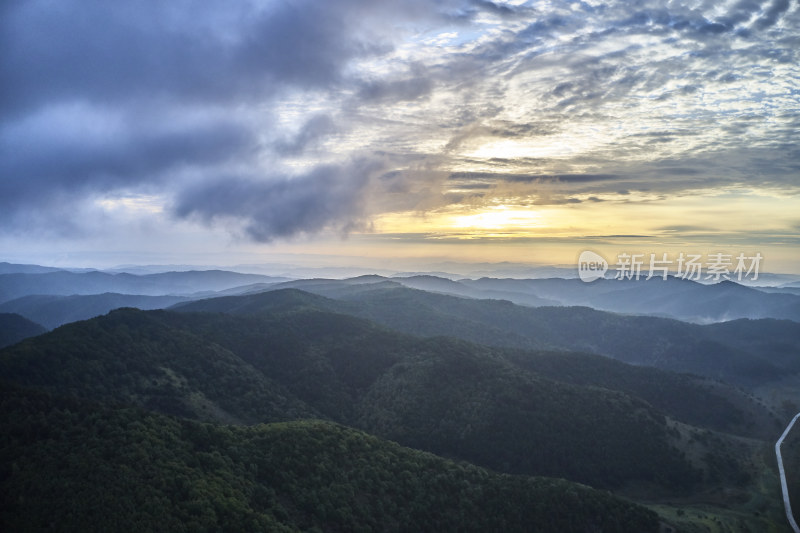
(498, 218)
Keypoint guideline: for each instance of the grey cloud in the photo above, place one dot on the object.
(678, 171)
(326, 198)
(528, 178)
(315, 129)
(667, 133)
(713, 28)
(474, 186)
(149, 68)
(69, 164)
(418, 84)
(492, 7)
(693, 23)
(772, 13)
(548, 26)
(510, 129)
(684, 228)
(499, 129)
(466, 11)
(158, 65)
(741, 12)
(556, 200)
(618, 236)
(548, 189)
(102, 52)
(162, 60)
(568, 178)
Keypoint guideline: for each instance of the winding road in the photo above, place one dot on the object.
(784, 486)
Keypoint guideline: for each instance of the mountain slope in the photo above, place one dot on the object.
(64, 283)
(79, 467)
(673, 297)
(733, 351)
(54, 311)
(663, 343)
(284, 357)
(690, 399)
(14, 328)
(14, 268)
(306, 362)
(131, 357)
(457, 401)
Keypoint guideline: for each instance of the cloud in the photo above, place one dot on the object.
(684, 228)
(99, 96)
(327, 197)
(102, 96)
(280, 117)
(772, 13)
(74, 149)
(531, 178)
(152, 50)
(313, 131)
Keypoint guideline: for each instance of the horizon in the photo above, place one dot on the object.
(443, 270)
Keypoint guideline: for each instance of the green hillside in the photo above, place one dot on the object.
(691, 399)
(652, 435)
(132, 357)
(734, 352)
(75, 466)
(449, 397)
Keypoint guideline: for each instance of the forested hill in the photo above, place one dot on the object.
(736, 352)
(14, 328)
(71, 465)
(285, 356)
(445, 396)
(52, 311)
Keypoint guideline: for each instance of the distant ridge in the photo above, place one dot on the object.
(14, 328)
(742, 352)
(64, 283)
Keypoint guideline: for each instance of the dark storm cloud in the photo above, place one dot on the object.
(151, 60)
(35, 165)
(176, 79)
(111, 52)
(312, 132)
(189, 49)
(329, 197)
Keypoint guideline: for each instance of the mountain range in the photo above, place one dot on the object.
(369, 404)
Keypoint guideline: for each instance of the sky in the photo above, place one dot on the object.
(387, 132)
